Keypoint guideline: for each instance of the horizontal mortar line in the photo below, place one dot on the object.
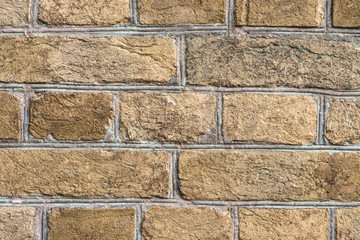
(282, 29)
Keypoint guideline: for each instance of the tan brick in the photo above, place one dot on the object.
(17, 223)
(47, 59)
(167, 117)
(181, 11)
(244, 62)
(269, 175)
(286, 13)
(279, 224)
(80, 173)
(85, 12)
(288, 119)
(74, 116)
(14, 12)
(186, 223)
(348, 223)
(109, 224)
(10, 124)
(346, 13)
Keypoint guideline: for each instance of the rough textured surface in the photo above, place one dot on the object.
(186, 224)
(84, 173)
(279, 224)
(260, 62)
(346, 13)
(181, 11)
(343, 121)
(348, 223)
(287, 13)
(44, 59)
(10, 124)
(104, 224)
(261, 175)
(14, 12)
(88, 12)
(17, 223)
(288, 119)
(85, 116)
(167, 117)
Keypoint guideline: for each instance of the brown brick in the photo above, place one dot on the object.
(67, 224)
(281, 224)
(47, 59)
(167, 117)
(286, 13)
(85, 12)
(288, 119)
(74, 116)
(346, 13)
(14, 12)
(272, 175)
(80, 173)
(10, 124)
(17, 223)
(348, 223)
(187, 223)
(181, 11)
(245, 62)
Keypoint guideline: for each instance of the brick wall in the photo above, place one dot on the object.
(153, 119)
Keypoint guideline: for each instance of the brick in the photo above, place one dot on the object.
(85, 116)
(187, 223)
(181, 11)
(67, 224)
(167, 117)
(84, 173)
(280, 13)
(346, 13)
(269, 175)
(287, 119)
(10, 124)
(280, 224)
(88, 12)
(17, 223)
(14, 12)
(53, 59)
(245, 62)
(347, 223)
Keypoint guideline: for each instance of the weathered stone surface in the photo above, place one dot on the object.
(17, 223)
(279, 224)
(181, 11)
(348, 223)
(81, 173)
(260, 62)
(273, 175)
(167, 117)
(287, 13)
(14, 12)
(88, 12)
(44, 59)
(288, 119)
(187, 223)
(346, 13)
(74, 116)
(10, 124)
(109, 224)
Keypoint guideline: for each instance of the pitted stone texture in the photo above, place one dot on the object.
(272, 175)
(167, 117)
(181, 11)
(52, 59)
(74, 116)
(84, 173)
(280, 13)
(287, 119)
(94, 224)
(346, 13)
(10, 124)
(84, 12)
(195, 223)
(14, 12)
(348, 223)
(279, 224)
(244, 62)
(17, 223)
